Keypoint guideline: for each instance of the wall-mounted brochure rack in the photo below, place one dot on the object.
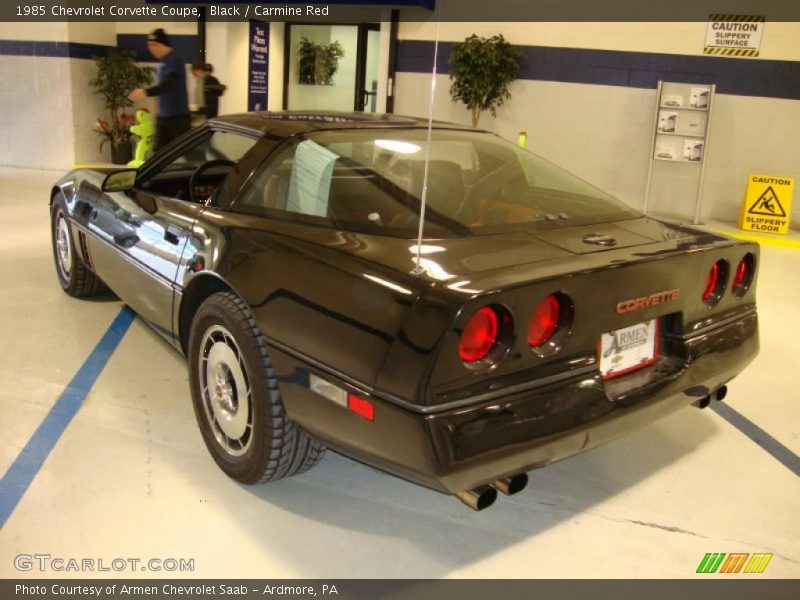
(680, 134)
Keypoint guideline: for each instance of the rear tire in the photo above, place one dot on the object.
(74, 277)
(236, 399)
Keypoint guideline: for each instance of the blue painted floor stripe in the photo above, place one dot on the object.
(23, 470)
(778, 451)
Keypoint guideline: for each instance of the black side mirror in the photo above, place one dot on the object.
(120, 181)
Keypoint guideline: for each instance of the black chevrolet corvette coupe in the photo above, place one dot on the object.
(279, 252)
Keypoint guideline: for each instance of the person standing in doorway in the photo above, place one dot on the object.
(173, 102)
(208, 89)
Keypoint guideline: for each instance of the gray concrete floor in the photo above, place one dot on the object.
(131, 478)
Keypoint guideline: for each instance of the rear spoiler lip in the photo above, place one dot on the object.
(680, 248)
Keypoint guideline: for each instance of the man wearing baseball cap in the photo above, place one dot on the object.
(173, 103)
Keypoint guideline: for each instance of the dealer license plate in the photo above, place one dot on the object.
(627, 349)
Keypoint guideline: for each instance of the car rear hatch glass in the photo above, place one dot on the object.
(474, 183)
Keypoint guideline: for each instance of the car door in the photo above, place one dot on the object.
(140, 235)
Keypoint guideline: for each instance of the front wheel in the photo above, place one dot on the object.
(236, 399)
(75, 278)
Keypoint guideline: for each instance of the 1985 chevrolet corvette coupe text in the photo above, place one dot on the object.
(539, 318)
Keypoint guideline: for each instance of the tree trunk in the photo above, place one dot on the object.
(476, 116)
(115, 125)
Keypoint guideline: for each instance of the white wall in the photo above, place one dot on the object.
(36, 124)
(86, 105)
(383, 63)
(227, 49)
(55, 32)
(217, 55)
(780, 41)
(606, 142)
(277, 50)
(48, 107)
(750, 135)
(603, 133)
(235, 98)
(339, 96)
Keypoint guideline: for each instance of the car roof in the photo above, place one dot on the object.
(289, 123)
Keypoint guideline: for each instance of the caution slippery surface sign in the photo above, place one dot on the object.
(734, 35)
(767, 204)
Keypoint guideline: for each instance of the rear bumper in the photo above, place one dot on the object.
(463, 448)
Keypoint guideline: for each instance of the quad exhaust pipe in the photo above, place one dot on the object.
(478, 498)
(718, 395)
(484, 496)
(511, 485)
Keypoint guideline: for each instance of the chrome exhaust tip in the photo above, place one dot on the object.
(703, 402)
(512, 484)
(720, 394)
(478, 498)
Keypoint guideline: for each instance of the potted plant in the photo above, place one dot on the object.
(318, 63)
(117, 75)
(481, 70)
(120, 139)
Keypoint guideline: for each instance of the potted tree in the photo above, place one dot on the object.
(117, 75)
(481, 69)
(318, 63)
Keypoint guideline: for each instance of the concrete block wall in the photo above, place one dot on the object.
(48, 107)
(587, 95)
(86, 108)
(88, 40)
(36, 125)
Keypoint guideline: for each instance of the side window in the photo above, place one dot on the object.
(219, 145)
(173, 178)
(270, 190)
(336, 185)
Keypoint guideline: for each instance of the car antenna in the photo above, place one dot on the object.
(418, 268)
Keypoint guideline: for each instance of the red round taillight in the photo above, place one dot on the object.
(479, 336)
(743, 276)
(544, 321)
(712, 279)
(741, 273)
(715, 282)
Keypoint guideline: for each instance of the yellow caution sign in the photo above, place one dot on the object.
(767, 204)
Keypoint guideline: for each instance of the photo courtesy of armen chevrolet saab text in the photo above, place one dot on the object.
(539, 317)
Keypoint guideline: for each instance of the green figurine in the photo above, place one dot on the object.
(144, 129)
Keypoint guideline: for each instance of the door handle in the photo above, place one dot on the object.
(365, 96)
(172, 234)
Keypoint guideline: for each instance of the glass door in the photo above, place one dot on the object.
(367, 68)
(331, 67)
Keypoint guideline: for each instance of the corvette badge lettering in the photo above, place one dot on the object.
(627, 306)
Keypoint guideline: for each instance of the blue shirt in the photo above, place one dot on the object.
(174, 100)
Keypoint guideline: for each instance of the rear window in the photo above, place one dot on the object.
(371, 180)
